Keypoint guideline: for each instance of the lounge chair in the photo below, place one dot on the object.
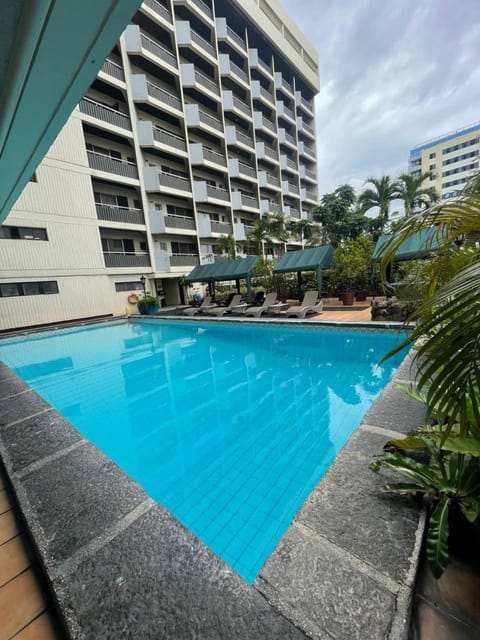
(310, 304)
(258, 311)
(220, 311)
(192, 311)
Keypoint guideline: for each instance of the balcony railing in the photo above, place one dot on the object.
(290, 138)
(310, 195)
(107, 114)
(271, 179)
(271, 152)
(206, 82)
(268, 124)
(210, 120)
(308, 150)
(249, 201)
(292, 188)
(246, 169)
(219, 194)
(220, 227)
(163, 96)
(157, 50)
(184, 260)
(179, 222)
(113, 69)
(306, 104)
(288, 112)
(241, 137)
(266, 94)
(158, 8)
(117, 259)
(285, 85)
(206, 46)
(310, 174)
(113, 213)
(294, 213)
(292, 164)
(241, 106)
(172, 181)
(213, 156)
(235, 37)
(165, 137)
(203, 7)
(102, 162)
(266, 67)
(238, 71)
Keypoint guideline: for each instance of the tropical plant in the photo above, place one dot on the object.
(380, 194)
(410, 190)
(338, 216)
(305, 229)
(226, 245)
(258, 235)
(351, 264)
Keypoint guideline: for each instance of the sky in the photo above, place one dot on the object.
(393, 74)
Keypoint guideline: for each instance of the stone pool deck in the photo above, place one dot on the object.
(121, 566)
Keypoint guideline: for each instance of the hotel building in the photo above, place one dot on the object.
(200, 120)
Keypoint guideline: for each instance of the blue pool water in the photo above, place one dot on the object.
(228, 426)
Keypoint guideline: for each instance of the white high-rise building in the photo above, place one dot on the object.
(200, 120)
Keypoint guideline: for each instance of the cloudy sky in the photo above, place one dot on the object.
(393, 73)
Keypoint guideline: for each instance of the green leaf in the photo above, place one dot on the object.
(457, 444)
(470, 508)
(411, 392)
(410, 442)
(404, 488)
(437, 538)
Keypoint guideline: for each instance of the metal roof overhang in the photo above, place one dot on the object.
(50, 53)
(419, 245)
(313, 259)
(222, 271)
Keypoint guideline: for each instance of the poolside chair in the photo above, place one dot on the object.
(310, 304)
(258, 311)
(192, 311)
(220, 311)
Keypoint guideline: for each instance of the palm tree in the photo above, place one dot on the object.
(226, 245)
(380, 195)
(258, 234)
(410, 190)
(305, 229)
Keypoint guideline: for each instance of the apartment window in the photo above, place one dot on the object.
(432, 155)
(23, 233)
(184, 247)
(174, 172)
(110, 199)
(105, 152)
(128, 286)
(118, 245)
(13, 289)
(432, 167)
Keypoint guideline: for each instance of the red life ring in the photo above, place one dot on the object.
(133, 298)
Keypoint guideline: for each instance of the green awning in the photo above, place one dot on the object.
(223, 270)
(419, 245)
(306, 260)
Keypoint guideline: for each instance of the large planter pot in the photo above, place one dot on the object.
(146, 308)
(348, 298)
(360, 296)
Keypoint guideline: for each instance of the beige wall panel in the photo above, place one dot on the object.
(69, 145)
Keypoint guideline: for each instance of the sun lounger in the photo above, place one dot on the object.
(192, 311)
(310, 304)
(258, 311)
(220, 311)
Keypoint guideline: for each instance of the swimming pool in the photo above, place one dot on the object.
(228, 426)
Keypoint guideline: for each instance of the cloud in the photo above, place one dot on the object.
(392, 75)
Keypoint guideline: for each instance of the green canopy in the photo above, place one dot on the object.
(419, 245)
(314, 259)
(224, 270)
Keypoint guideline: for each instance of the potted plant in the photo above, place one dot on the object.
(148, 305)
(350, 267)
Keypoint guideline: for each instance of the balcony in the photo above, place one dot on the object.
(232, 103)
(226, 34)
(124, 215)
(270, 206)
(267, 180)
(113, 70)
(305, 128)
(291, 212)
(287, 164)
(204, 192)
(262, 123)
(266, 152)
(284, 112)
(161, 223)
(207, 227)
(157, 10)
(260, 93)
(239, 169)
(200, 155)
(137, 42)
(125, 260)
(164, 182)
(304, 104)
(107, 164)
(199, 8)
(283, 85)
(290, 189)
(256, 62)
(145, 90)
(187, 37)
(286, 138)
(231, 70)
(192, 78)
(184, 260)
(99, 111)
(240, 201)
(151, 135)
(310, 197)
(307, 174)
(196, 117)
(235, 137)
(306, 150)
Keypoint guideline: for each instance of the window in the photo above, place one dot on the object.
(184, 247)
(128, 286)
(143, 246)
(12, 289)
(118, 245)
(110, 199)
(432, 155)
(103, 151)
(23, 233)
(432, 167)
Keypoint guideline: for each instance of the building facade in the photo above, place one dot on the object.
(200, 120)
(451, 160)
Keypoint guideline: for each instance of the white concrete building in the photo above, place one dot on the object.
(200, 120)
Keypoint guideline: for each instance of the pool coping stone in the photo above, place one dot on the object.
(118, 563)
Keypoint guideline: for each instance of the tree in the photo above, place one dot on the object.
(380, 195)
(306, 230)
(259, 234)
(338, 216)
(226, 245)
(410, 190)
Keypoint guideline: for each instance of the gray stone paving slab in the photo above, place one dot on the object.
(5, 372)
(318, 587)
(407, 370)
(76, 497)
(157, 580)
(11, 387)
(395, 410)
(21, 407)
(34, 439)
(349, 508)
